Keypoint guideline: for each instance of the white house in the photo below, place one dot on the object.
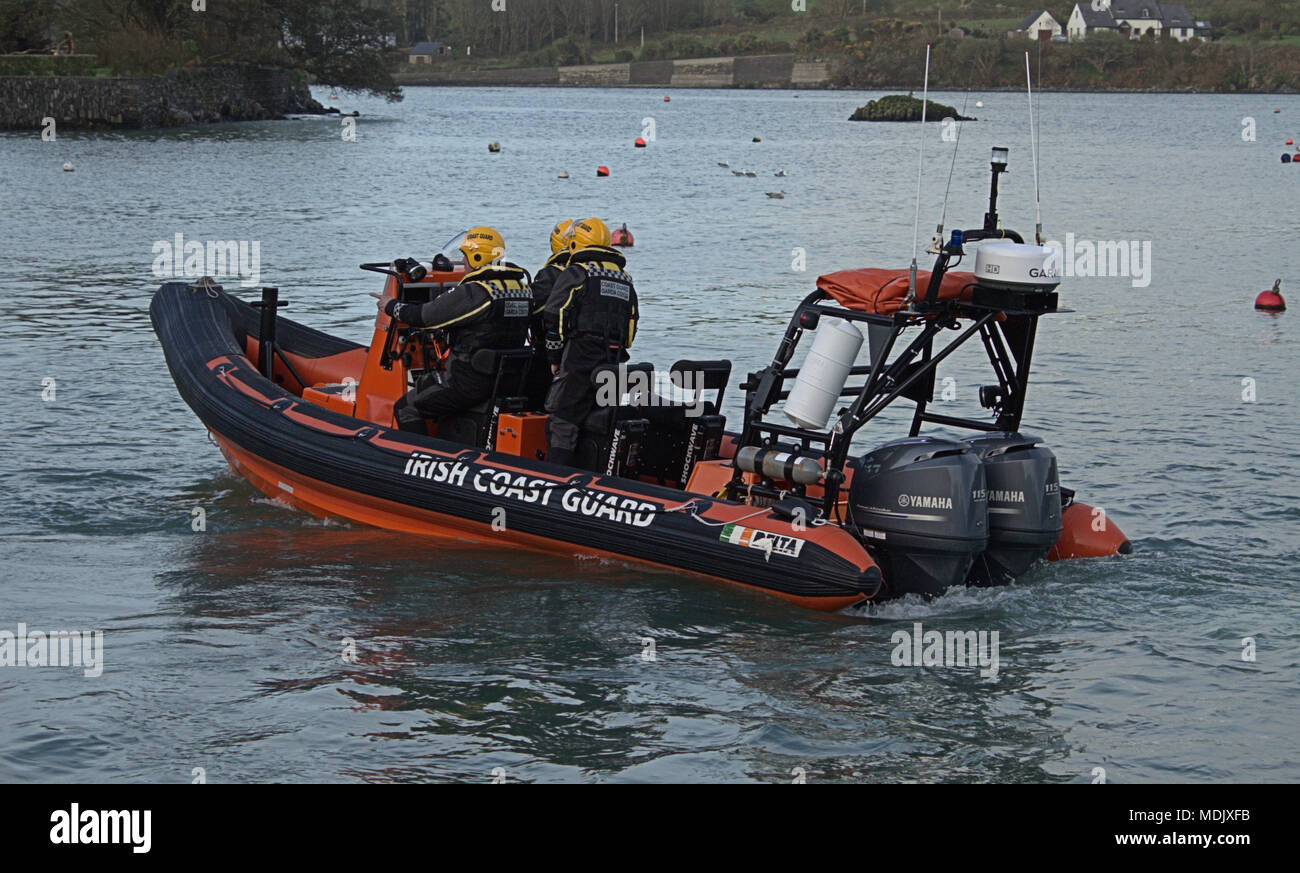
(1141, 16)
(1137, 18)
(1085, 20)
(1039, 25)
(1180, 24)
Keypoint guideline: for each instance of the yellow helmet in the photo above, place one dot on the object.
(560, 235)
(482, 245)
(589, 232)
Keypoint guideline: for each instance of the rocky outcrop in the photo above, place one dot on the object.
(897, 107)
(228, 92)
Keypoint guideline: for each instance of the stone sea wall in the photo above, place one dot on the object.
(751, 71)
(220, 93)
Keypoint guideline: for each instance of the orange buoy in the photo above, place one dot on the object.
(639, 143)
(1088, 533)
(621, 237)
(667, 99)
(1271, 300)
(602, 170)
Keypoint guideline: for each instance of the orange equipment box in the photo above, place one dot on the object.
(340, 396)
(522, 434)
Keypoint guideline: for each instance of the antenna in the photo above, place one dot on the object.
(1033, 148)
(920, 166)
(943, 216)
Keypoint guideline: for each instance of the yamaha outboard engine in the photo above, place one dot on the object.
(1024, 494)
(920, 503)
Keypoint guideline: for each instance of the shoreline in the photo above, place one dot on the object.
(892, 89)
(214, 94)
(783, 72)
(226, 93)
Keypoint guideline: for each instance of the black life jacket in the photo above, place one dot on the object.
(506, 327)
(608, 298)
(544, 281)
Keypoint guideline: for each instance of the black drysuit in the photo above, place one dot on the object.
(590, 318)
(489, 309)
(539, 376)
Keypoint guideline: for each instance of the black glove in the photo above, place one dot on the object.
(554, 348)
(391, 307)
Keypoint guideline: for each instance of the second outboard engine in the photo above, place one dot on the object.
(1024, 494)
(920, 502)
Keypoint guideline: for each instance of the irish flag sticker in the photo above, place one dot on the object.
(762, 540)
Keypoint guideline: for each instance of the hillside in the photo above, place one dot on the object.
(550, 32)
(359, 44)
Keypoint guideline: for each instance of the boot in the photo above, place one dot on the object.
(557, 455)
(419, 426)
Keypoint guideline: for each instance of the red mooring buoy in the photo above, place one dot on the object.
(1271, 300)
(639, 142)
(667, 99)
(602, 170)
(621, 237)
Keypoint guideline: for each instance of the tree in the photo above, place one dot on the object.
(343, 43)
(24, 26)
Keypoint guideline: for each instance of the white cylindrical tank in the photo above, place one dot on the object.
(823, 374)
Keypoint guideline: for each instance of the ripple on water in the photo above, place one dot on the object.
(224, 648)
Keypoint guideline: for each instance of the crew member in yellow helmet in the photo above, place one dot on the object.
(539, 376)
(490, 309)
(590, 320)
(481, 246)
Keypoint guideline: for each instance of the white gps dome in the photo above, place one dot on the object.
(1013, 266)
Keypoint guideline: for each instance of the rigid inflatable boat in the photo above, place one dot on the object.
(783, 505)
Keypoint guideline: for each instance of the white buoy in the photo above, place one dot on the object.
(67, 167)
(823, 374)
(979, 104)
(563, 174)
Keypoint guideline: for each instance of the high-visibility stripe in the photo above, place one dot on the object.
(572, 291)
(459, 318)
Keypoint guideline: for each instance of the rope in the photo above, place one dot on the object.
(206, 284)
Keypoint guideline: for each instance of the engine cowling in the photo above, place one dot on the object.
(1024, 504)
(920, 503)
